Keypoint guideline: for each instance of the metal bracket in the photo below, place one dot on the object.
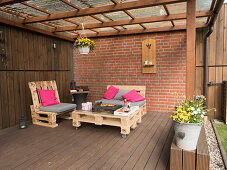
(211, 83)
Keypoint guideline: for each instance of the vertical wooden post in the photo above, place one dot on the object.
(190, 54)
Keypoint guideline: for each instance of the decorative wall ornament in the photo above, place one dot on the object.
(149, 56)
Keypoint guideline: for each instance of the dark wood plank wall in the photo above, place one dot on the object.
(217, 62)
(25, 57)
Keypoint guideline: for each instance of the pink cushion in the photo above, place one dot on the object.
(110, 93)
(48, 97)
(133, 96)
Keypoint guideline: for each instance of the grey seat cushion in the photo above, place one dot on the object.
(105, 101)
(120, 93)
(58, 108)
(120, 102)
(139, 103)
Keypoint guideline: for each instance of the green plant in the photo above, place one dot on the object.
(83, 42)
(190, 110)
(222, 129)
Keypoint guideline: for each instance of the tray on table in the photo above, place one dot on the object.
(111, 108)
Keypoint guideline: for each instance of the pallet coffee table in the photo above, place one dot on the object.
(105, 118)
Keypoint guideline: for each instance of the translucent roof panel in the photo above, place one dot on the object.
(104, 29)
(97, 3)
(180, 22)
(54, 6)
(203, 5)
(124, 1)
(158, 24)
(103, 17)
(79, 3)
(182, 7)
(61, 23)
(116, 16)
(84, 32)
(201, 20)
(85, 20)
(177, 8)
(23, 9)
(148, 12)
(135, 26)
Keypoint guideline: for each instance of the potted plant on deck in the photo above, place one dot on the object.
(188, 120)
(84, 45)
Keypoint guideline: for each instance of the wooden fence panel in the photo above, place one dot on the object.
(217, 63)
(30, 57)
(4, 100)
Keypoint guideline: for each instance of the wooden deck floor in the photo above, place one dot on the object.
(90, 147)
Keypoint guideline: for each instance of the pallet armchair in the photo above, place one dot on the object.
(46, 116)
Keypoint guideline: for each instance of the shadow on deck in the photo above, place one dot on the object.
(90, 147)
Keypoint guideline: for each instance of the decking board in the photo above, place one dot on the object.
(90, 147)
(106, 157)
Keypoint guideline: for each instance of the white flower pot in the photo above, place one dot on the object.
(187, 135)
(84, 50)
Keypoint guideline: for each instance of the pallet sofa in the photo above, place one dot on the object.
(46, 116)
(123, 89)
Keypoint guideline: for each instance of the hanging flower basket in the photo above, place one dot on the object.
(84, 45)
(84, 50)
(188, 120)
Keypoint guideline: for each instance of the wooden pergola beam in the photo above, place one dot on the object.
(45, 11)
(37, 8)
(33, 29)
(135, 21)
(128, 13)
(116, 29)
(71, 4)
(190, 46)
(78, 8)
(23, 16)
(143, 26)
(139, 31)
(93, 16)
(100, 10)
(10, 2)
(167, 12)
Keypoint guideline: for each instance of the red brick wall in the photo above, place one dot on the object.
(117, 60)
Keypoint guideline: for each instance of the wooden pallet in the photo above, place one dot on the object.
(42, 118)
(140, 89)
(198, 159)
(104, 118)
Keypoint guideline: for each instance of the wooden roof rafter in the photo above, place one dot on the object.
(167, 12)
(31, 28)
(34, 29)
(113, 14)
(139, 31)
(128, 13)
(24, 17)
(10, 2)
(136, 21)
(97, 18)
(101, 10)
(47, 12)
(78, 8)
